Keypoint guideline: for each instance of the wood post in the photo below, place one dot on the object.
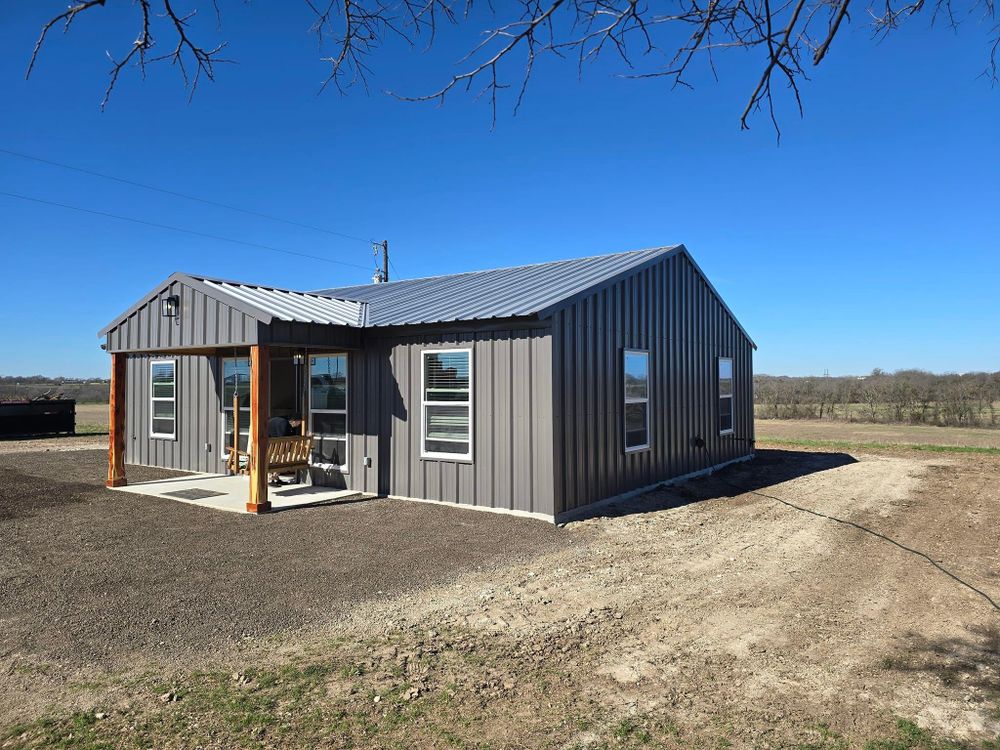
(116, 424)
(260, 388)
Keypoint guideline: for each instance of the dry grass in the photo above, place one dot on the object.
(92, 418)
(856, 432)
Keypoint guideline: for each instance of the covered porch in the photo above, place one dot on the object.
(230, 492)
(270, 353)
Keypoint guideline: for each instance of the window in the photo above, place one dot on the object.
(447, 403)
(636, 400)
(163, 398)
(235, 382)
(328, 409)
(725, 395)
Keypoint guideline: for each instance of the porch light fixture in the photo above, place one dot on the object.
(170, 306)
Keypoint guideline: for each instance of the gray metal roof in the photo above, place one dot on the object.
(301, 307)
(498, 293)
(519, 291)
(264, 303)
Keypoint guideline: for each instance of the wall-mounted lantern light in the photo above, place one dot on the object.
(171, 306)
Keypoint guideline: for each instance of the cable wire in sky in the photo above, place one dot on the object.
(193, 232)
(177, 194)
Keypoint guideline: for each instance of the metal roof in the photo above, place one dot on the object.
(499, 293)
(300, 307)
(519, 291)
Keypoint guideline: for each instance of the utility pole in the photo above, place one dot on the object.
(381, 275)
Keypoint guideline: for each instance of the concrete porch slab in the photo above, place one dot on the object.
(230, 493)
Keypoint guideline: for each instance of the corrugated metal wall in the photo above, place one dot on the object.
(547, 402)
(203, 322)
(512, 443)
(668, 309)
(199, 419)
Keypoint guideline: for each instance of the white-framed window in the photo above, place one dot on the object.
(163, 398)
(235, 382)
(446, 403)
(635, 366)
(328, 409)
(725, 395)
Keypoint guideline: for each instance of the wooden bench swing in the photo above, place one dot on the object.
(284, 454)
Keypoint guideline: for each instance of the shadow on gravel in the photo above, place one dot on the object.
(973, 661)
(768, 467)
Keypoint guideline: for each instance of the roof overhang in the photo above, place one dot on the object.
(264, 304)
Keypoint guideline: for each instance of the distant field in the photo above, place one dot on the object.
(94, 418)
(857, 432)
(91, 418)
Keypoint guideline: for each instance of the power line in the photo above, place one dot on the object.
(206, 235)
(177, 194)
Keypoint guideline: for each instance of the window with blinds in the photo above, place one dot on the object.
(163, 399)
(447, 403)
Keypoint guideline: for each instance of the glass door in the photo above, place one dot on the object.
(328, 409)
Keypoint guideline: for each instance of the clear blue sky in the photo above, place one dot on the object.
(868, 238)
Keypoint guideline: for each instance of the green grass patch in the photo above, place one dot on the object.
(909, 736)
(91, 429)
(852, 445)
(78, 731)
(826, 739)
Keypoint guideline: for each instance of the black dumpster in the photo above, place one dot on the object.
(39, 417)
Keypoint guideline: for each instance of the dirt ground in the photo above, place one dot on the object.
(808, 599)
(805, 429)
(91, 577)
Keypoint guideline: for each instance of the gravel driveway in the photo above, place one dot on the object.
(90, 576)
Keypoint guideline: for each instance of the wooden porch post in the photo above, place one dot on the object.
(116, 426)
(259, 392)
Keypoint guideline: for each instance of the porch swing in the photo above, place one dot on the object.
(284, 454)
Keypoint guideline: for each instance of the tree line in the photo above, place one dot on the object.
(908, 396)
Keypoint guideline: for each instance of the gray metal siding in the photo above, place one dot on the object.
(203, 322)
(670, 310)
(512, 425)
(199, 419)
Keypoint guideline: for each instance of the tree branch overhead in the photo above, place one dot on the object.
(648, 39)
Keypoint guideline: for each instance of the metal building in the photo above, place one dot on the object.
(539, 390)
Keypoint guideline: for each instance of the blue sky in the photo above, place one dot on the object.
(868, 238)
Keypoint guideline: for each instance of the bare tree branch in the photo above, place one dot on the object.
(68, 16)
(639, 35)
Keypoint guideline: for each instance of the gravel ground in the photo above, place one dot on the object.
(54, 444)
(805, 599)
(90, 577)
